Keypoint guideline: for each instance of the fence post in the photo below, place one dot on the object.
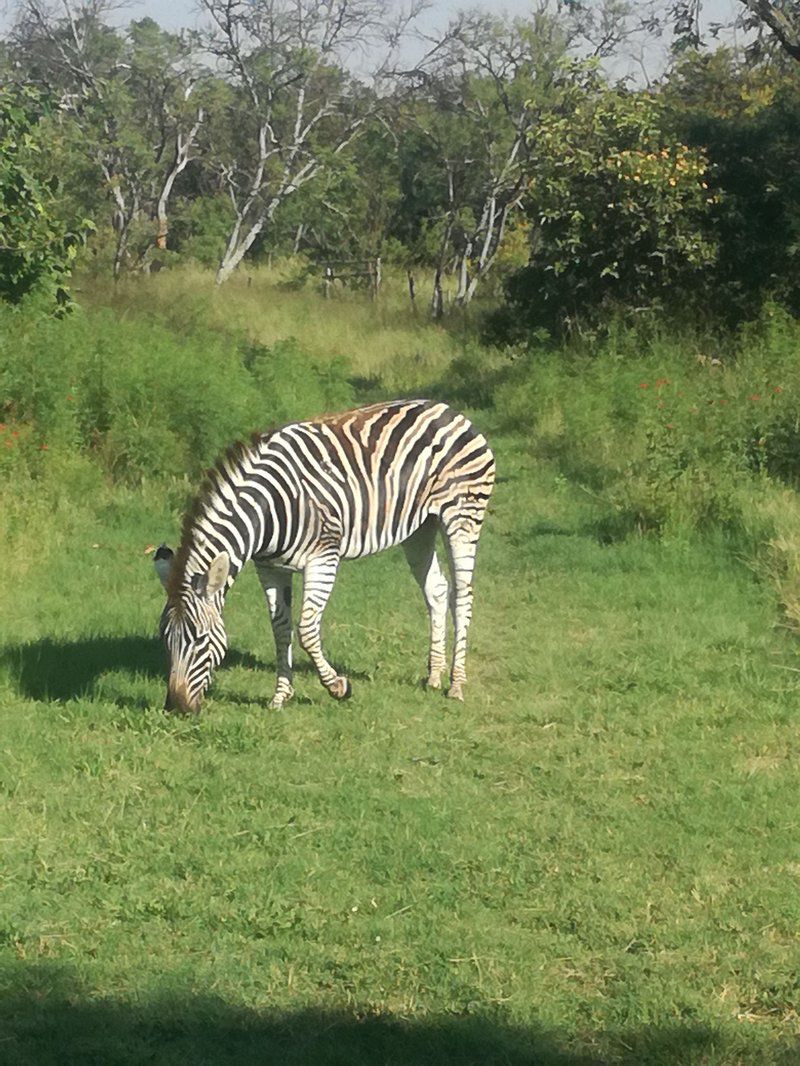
(328, 280)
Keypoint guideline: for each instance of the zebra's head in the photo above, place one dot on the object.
(192, 629)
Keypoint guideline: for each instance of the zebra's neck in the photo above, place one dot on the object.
(218, 522)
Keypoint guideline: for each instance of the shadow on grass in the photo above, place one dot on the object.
(51, 669)
(46, 1019)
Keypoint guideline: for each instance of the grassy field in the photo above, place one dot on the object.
(593, 860)
(383, 341)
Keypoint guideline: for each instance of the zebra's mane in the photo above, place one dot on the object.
(209, 489)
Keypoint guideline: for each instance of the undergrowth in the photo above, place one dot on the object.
(674, 435)
(141, 401)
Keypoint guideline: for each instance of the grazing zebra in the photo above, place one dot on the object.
(307, 495)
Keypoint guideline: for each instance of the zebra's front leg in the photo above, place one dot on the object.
(277, 586)
(318, 578)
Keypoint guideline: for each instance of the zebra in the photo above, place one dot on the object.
(307, 495)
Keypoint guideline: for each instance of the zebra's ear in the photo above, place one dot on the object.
(162, 561)
(216, 576)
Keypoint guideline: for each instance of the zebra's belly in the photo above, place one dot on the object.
(358, 544)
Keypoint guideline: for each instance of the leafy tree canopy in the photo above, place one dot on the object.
(36, 247)
(617, 208)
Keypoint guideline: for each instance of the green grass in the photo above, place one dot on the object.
(382, 340)
(593, 860)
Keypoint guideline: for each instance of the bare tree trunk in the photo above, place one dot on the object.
(236, 250)
(120, 250)
(180, 161)
(437, 301)
(463, 272)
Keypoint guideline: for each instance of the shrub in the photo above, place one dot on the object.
(141, 401)
(665, 434)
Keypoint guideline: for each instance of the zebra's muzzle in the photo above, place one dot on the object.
(178, 701)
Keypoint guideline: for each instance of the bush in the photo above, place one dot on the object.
(666, 434)
(37, 250)
(139, 400)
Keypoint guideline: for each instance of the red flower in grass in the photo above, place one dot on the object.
(43, 447)
(756, 397)
(777, 389)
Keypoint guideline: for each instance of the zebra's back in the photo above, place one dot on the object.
(376, 473)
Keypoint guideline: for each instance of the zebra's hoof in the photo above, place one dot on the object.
(455, 692)
(340, 689)
(434, 681)
(280, 697)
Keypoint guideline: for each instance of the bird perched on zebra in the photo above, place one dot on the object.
(306, 496)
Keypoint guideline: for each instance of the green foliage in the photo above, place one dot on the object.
(143, 403)
(296, 384)
(618, 210)
(669, 435)
(201, 227)
(747, 121)
(36, 249)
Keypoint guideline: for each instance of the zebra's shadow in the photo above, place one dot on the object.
(52, 669)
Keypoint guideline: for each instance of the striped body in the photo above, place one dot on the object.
(305, 496)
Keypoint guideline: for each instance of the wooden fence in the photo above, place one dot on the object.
(343, 269)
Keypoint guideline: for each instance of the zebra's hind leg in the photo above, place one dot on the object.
(420, 549)
(318, 578)
(461, 535)
(277, 586)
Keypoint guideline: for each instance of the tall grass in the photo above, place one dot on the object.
(143, 401)
(387, 339)
(674, 435)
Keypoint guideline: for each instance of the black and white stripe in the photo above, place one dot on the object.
(304, 497)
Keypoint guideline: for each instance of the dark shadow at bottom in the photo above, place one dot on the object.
(46, 1020)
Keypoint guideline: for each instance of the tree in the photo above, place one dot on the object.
(618, 209)
(293, 108)
(163, 79)
(36, 247)
(130, 101)
(746, 118)
(781, 21)
(486, 83)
